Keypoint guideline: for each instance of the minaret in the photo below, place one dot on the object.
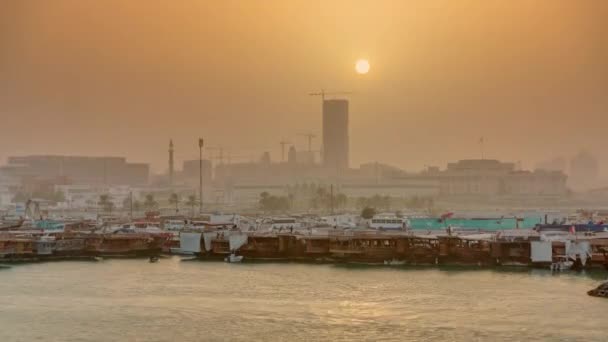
(171, 162)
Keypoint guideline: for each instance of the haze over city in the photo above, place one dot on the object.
(122, 77)
(303, 170)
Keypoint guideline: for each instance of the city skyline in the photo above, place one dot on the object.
(200, 69)
(303, 170)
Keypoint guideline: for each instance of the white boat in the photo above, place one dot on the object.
(135, 227)
(562, 263)
(232, 258)
(339, 221)
(387, 222)
(189, 243)
(175, 225)
(284, 224)
(394, 262)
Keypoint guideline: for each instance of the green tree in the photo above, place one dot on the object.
(273, 203)
(174, 199)
(368, 212)
(386, 203)
(150, 203)
(90, 203)
(264, 201)
(136, 205)
(105, 202)
(126, 203)
(341, 200)
(192, 202)
(362, 202)
(321, 198)
(376, 201)
(264, 195)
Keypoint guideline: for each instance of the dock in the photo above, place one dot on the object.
(517, 247)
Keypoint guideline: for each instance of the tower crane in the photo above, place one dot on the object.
(220, 150)
(310, 136)
(323, 93)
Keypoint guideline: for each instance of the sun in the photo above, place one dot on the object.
(362, 66)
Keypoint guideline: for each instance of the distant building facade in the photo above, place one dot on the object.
(584, 171)
(78, 169)
(335, 135)
(555, 164)
(305, 157)
(191, 170)
(492, 177)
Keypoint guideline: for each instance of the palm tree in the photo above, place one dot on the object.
(174, 199)
(192, 202)
(136, 205)
(105, 201)
(368, 212)
(126, 203)
(341, 200)
(264, 200)
(90, 203)
(150, 203)
(264, 195)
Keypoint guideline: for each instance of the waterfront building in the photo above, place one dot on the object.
(584, 171)
(305, 157)
(405, 187)
(292, 155)
(8, 186)
(537, 182)
(78, 169)
(484, 177)
(191, 172)
(554, 164)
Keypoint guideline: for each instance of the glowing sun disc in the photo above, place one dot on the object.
(362, 66)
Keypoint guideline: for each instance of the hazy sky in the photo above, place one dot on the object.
(122, 77)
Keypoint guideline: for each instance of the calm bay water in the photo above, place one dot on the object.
(172, 300)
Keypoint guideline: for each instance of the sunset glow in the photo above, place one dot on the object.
(362, 66)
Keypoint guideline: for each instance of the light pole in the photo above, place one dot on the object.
(331, 198)
(200, 164)
(131, 205)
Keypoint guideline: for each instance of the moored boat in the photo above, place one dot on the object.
(600, 291)
(233, 258)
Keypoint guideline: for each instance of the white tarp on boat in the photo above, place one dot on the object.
(582, 248)
(237, 240)
(209, 236)
(190, 242)
(541, 251)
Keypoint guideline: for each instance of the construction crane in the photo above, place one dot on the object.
(220, 150)
(230, 157)
(283, 144)
(323, 93)
(310, 136)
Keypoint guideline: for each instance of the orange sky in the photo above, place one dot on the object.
(122, 77)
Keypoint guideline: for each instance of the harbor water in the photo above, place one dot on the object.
(173, 300)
